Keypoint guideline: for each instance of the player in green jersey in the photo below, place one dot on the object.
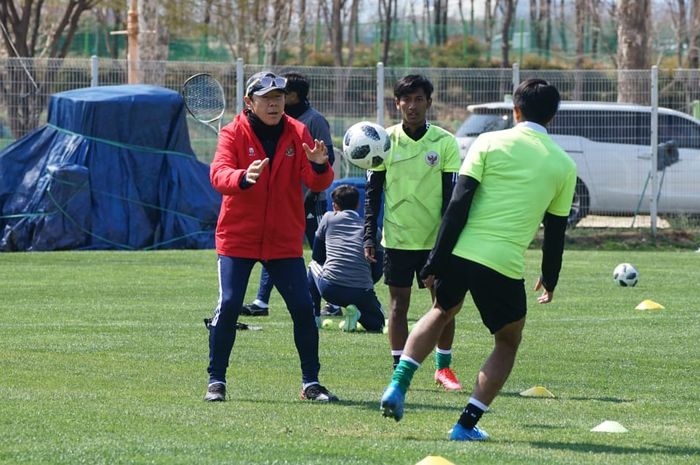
(416, 179)
(511, 181)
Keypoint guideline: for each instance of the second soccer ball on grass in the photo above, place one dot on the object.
(625, 275)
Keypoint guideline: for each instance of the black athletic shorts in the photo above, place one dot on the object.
(499, 299)
(400, 266)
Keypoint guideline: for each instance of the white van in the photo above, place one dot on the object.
(610, 144)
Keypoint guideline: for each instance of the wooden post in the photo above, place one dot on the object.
(132, 33)
(132, 39)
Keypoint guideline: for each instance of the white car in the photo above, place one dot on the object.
(610, 144)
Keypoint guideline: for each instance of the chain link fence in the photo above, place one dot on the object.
(634, 159)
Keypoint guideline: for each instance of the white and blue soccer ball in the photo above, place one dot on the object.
(366, 144)
(625, 275)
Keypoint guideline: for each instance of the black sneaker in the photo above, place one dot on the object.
(216, 392)
(332, 310)
(254, 310)
(318, 393)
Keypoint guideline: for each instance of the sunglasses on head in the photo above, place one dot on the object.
(270, 81)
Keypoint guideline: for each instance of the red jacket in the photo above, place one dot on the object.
(266, 220)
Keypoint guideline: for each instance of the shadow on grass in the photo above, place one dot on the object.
(614, 400)
(374, 405)
(543, 426)
(608, 449)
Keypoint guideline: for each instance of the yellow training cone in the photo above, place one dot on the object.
(649, 305)
(434, 460)
(609, 427)
(537, 391)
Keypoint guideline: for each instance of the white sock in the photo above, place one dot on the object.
(305, 385)
(478, 403)
(409, 360)
(260, 303)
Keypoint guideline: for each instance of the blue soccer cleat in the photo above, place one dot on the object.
(460, 433)
(392, 402)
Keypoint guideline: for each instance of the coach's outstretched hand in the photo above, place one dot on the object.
(253, 172)
(318, 154)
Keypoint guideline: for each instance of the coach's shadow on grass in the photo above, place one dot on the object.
(608, 449)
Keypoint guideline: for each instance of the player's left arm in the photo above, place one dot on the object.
(555, 221)
(552, 253)
(450, 168)
(451, 227)
(448, 184)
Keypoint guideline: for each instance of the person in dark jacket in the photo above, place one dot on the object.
(261, 161)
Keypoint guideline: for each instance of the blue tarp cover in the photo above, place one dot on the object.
(112, 169)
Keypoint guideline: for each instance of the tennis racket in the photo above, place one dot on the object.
(204, 99)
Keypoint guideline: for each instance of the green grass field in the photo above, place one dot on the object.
(103, 361)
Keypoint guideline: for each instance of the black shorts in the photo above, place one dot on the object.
(499, 299)
(400, 266)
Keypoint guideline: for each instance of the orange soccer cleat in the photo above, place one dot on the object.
(447, 379)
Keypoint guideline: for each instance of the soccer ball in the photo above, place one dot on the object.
(366, 144)
(625, 275)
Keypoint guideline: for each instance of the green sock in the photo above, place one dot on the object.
(403, 374)
(443, 360)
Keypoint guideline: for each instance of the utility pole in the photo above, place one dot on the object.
(132, 35)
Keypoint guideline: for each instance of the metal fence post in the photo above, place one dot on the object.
(94, 71)
(516, 75)
(380, 93)
(239, 85)
(653, 207)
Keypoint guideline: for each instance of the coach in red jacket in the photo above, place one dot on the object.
(262, 158)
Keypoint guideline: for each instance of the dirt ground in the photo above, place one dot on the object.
(618, 233)
(640, 221)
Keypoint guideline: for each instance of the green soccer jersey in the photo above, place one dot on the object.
(413, 186)
(522, 174)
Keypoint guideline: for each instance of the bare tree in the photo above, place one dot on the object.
(508, 12)
(489, 23)
(580, 13)
(562, 26)
(594, 7)
(352, 26)
(633, 33)
(540, 25)
(387, 13)
(153, 41)
(546, 18)
(302, 31)
(29, 29)
(679, 18)
(471, 17)
(110, 19)
(535, 26)
(440, 20)
(278, 31)
(694, 45)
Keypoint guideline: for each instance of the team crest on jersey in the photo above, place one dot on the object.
(432, 158)
(251, 152)
(290, 151)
